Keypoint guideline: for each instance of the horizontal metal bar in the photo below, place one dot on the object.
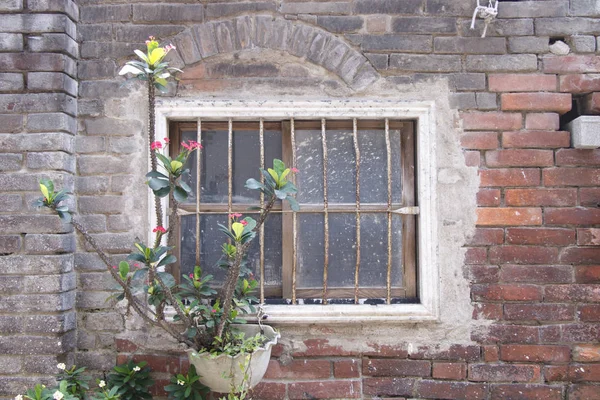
(407, 211)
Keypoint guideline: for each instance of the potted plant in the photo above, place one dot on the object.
(210, 322)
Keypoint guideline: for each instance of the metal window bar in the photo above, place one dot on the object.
(229, 172)
(198, 166)
(357, 158)
(261, 130)
(294, 215)
(388, 150)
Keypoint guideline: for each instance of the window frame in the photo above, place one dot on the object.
(423, 115)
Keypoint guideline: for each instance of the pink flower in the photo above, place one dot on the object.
(169, 47)
(214, 311)
(295, 170)
(244, 222)
(159, 229)
(167, 141)
(114, 267)
(136, 265)
(156, 145)
(192, 276)
(235, 215)
(191, 145)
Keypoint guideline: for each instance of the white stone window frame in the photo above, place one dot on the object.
(422, 113)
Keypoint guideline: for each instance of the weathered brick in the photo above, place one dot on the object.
(475, 255)
(509, 216)
(423, 25)
(558, 102)
(542, 121)
(425, 63)
(49, 223)
(9, 244)
(503, 373)
(388, 7)
(510, 177)
(220, 10)
(523, 255)
(168, 12)
(500, 27)
(566, 26)
(573, 293)
(539, 312)
(112, 127)
(533, 9)
(346, 369)
(589, 197)
(140, 33)
(110, 321)
(377, 23)
(507, 334)
(31, 345)
(10, 123)
(519, 158)
(589, 313)
(269, 391)
(88, 70)
(391, 367)
(11, 162)
(462, 101)
(11, 42)
(395, 42)
(579, 83)
(38, 102)
(49, 244)
(580, 255)
(324, 390)
(451, 390)
(521, 82)
(499, 63)
(491, 311)
(583, 392)
(529, 353)
(528, 44)
(591, 104)
(68, 7)
(506, 292)
(586, 353)
(11, 5)
(540, 197)
(528, 391)
(580, 333)
(587, 274)
(51, 160)
(488, 197)
(100, 204)
(54, 42)
(37, 62)
(455, 371)
(96, 32)
(52, 82)
(340, 24)
(34, 23)
(388, 386)
(455, 352)
(571, 177)
(588, 237)
(462, 45)
(467, 81)
(487, 236)
(486, 101)
(299, 369)
(571, 64)
(491, 121)
(536, 273)
(540, 236)
(379, 61)
(582, 43)
(311, 7)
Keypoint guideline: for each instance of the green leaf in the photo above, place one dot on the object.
(176, 165)
(185, 186)
(123, 269)
(141, 55)
(140, 274)
(253, 184)
(278, 166)
(170, 259)
(281, 194)
(250, 224)
(136, 257)
(180, 194)
(166, 161)
(64, 216)
(157, 184)
(293, 203)
(162, 192)
(274, 175)
(156, 174)
(167, 279)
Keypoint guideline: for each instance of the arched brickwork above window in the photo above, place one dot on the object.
(297, 38)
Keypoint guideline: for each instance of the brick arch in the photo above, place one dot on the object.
(297, 38)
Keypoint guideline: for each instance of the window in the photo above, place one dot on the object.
(294, 132)
(353, 239)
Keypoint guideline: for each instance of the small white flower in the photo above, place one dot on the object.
(136, 368)
(18, 397)
(101, 384)
(58, 395)
(180, 382)
(61, 366)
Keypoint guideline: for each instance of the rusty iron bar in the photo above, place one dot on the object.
(389, 212)
(326, 210)
(357, 156)
(294, 215)
(261, 135)
(198, 164)
(229, 173)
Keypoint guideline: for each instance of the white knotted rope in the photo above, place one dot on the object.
(488, 13)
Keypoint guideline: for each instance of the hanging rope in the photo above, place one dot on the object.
(488, 13)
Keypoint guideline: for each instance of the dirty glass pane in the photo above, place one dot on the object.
(341, 167)
(373, 166)
(342, 250)
(246, 161)
(212, 239)
(309, 158)
(310, 251)
(373, 250)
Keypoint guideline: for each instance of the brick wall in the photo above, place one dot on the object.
(533, 263)
(38, 108)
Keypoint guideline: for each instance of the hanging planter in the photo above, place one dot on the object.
(241, 372)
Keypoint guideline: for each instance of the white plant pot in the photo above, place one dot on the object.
(221, 372)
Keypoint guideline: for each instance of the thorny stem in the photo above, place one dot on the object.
(152, 139)
(234, 271)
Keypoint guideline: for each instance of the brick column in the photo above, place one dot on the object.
(38, 111)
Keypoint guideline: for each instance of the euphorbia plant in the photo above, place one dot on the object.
(203, 316)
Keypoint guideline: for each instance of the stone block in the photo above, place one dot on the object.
(11, 82)
(300, 40)
(582, 43)
(41, 364)
(394, 42)
(388, 7)
(88, 70)
(160, 12)
(37, 23)
(496, 63)
(206, 39)
(532, 9)
(106, 13)
(567, 26)
(585, 8)
(11, 123)
(114, 243)
(9, 244)
(97, 281)
(186, 46)
(109, 321)
(91, 184)
(499, 27)
(425, 62)
(37, 102)
(49, 243)
(49, 283)
(467, 81)
(51, 122)
(100, 204)
(584, 132)
(486, 101)
(112, 127)
(123, 183)
(96, 32)
(11, 5)
(95, 360)
(30, 182)
(53, 42)
(11, 284)
(52, 82)
(460, 45)
(41, 223)
(140, 33)
(11, 364)
(282, 31)
(10, 162)
(244, 26)
(89, 108)
(225, 37)
(37, 62)
(528, 44)
(311, 7)
(94, 300)
(68, 7)
(41, 303)
(423, 25)
(21, 264)
(11, 42)
(462, 101)
(32, 345)
(37, 142)
(340, 24)
(56, 160)
(379, 61)
(225, 9)
(11, 202)
(103, 165)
